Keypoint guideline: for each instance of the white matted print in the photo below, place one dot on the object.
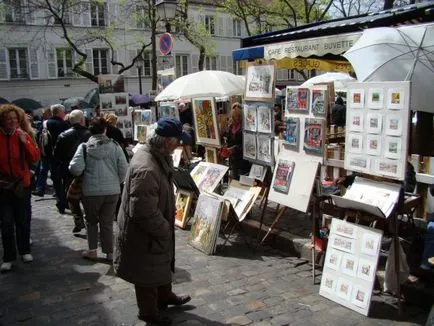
(265, 118)
(356, 100)
(373, 145)
(260, 81)
(358, 163)
(375, 98)
(393, 125)
(356, 143)
(342, 243)
(356, 120)
(349, 265)
(395, 99)
(250, 116)
(345, 229)
(361, 296)
(344, 288)
(328, 282)
(392, 147)
(374, 122)
(370, 243)
(366, 270)
(333, 259)
(390, 168)
(249, 145)
(264, 144)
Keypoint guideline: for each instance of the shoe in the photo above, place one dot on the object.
(38, 193)
(155, 319)
(175, 301)
(60, 208)
(90, 254)
(6, 267)
(27, 258)
(77, 228)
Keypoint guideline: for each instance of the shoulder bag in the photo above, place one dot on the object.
(75, 190)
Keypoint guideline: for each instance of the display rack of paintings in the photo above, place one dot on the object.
(350, 265)
(168, 110)
(260, 81)
(205, 120)
(206, 223)
(207, 176)
(376, 140)
(117, 103)
(183, 204)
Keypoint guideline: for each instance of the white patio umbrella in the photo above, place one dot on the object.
(203, 83)
(339, 79)
(398, 54)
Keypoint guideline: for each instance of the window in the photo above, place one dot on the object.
(18, 63)
(141, 18)
(211, 63)
(292, 74)
(146, 64)
(64, 62)
(181, 64)
(14, 11)
(236, 27)
(97, 14)
(66, 20)
(210, 24)
(237, 69)
(100, 61)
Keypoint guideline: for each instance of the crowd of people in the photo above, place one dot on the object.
(70, 148)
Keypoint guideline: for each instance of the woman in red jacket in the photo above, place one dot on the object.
(17, 151)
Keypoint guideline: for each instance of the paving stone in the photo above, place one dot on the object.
(258, 315)
(238, 320)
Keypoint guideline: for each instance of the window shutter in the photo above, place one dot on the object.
(229, 25)
(114, 14)
(34, 67)
(85, 14)
(229, 63)
(3, 64)
(51, 61)
(76, 15)
(223, 65)
(89, 61)
(220, 28)
(106, 13)
(194, 63)
(243, 30)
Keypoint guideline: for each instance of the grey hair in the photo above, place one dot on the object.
(158, 142)
(76, 116)
(56, 109)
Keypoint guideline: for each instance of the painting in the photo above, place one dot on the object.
(328, 282)
(211, 155)
(249, 145)
(177, 155)
(349, 265)
(366, 270)
(297, 99)
(373, 145)
(318, 102)
(355, 141)
(291, 99)
(391, 168)
(211, 176)
(393, 125)
(206, 223)
(183, 204)
(395, 99)
(333, 259)
(258, 172)
(260, 81)
(370, 243)
(146, 117)
(343, 288)
(344, 228)
(111, 84)
(292, 133)
(392, 147)
(342, 243)
(265, 118)
(358, 163)
(198, 172)
(249, 117)
(360, 296)
(374, 123)
(168, 110)
(264, 148)
(140, 133)
(137, 116)
(356, 99)
(375, 98)
(356, 120)
(283, 175)
(314, 136)
(205, 120)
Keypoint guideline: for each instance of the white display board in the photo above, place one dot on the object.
(377, 127)
(299, 183)
(350, 265)
(118, 103)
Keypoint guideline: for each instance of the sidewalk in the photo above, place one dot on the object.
(237, 286)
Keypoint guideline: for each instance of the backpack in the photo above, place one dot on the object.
(45, 141)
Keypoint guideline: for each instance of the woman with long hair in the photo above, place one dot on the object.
(17, 152)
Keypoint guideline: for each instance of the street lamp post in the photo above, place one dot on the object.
(166, 10)
(139, 66)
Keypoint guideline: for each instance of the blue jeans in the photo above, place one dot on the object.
(15, 221)
(428, 248)
(42, 174)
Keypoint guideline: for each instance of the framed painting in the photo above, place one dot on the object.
(212, 177)
(393, 125)
(291, 134)
(297, 99)
(265, 118)
(264, 147)
(356, 100)
(260, 81)
(355, 141)
(211, 154)
(356, 120)
(146, 117)
(318, 102)
(249, 145)
(168, 110)
(183, 205)
(392, 147)
(395, 98)
(375, 98)
(140, 132)
(283, 176)
(250, 116)
(373, 145)
(374, 123)
(205, 120)
(314, 136)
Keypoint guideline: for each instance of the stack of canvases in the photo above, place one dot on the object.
(206, 223)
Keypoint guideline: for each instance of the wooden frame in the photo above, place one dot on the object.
(260, 81)
(205, 119)
(183, 205)
(211, 155)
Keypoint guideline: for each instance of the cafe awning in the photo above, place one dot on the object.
(248, 53)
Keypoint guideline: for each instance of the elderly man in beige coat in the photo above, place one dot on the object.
(145, 248)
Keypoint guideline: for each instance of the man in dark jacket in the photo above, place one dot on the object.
(145, 245)
(339, 113)
(64, 151)
(55, 126)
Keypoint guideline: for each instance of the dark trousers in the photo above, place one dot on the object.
(15, 222)
(42, 174)
(59, 188)
(148, 298)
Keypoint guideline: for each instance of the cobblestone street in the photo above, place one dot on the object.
(236, 286)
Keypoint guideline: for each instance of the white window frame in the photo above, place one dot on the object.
(15, 12)
(210, 24)
(236, 27)
(95, 14)
(17, 59)
(210, 63)
(147, 64)
(236, 68)
(63, 52)
(180, 67)
(98, 51)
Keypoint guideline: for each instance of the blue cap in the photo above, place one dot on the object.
(170, 127)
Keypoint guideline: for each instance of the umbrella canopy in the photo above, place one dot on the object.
(92, 97)
(203, 83)
(398, 54)
(3, 100)
(339, 79)
(138, 99)
(79, 101)
(27, 104)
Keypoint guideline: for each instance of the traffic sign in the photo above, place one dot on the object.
(166, 43)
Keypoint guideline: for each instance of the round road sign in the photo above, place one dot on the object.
(166, 43)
